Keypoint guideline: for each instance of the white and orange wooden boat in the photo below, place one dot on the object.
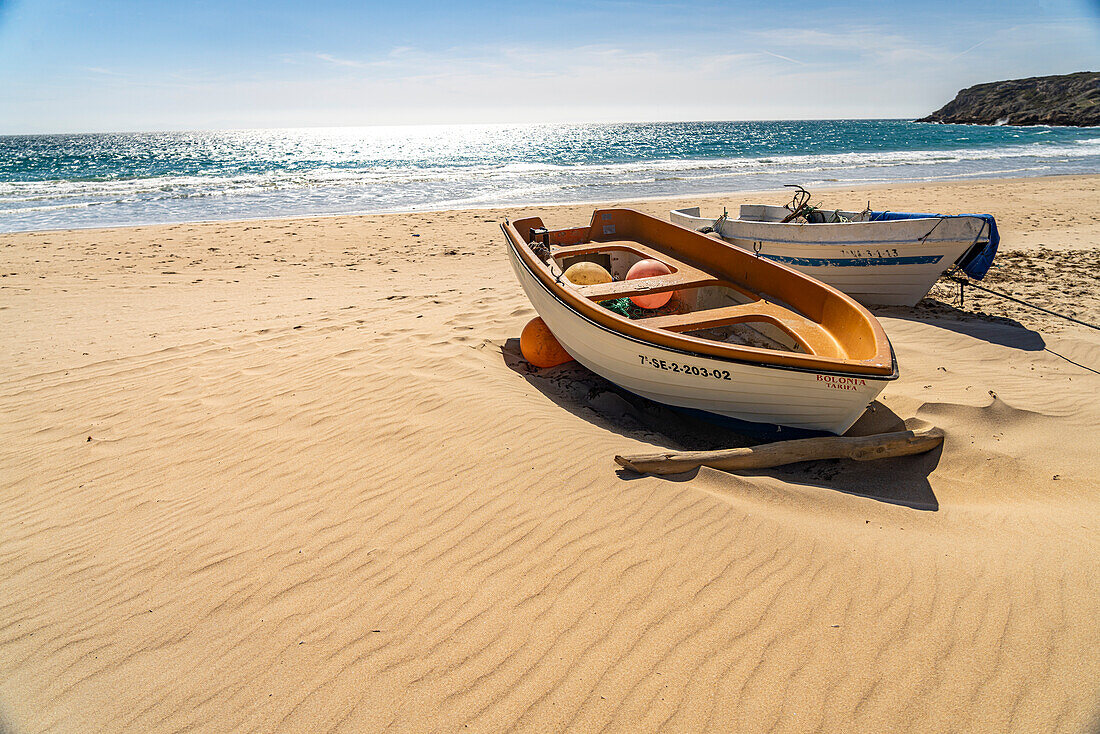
(749, 339)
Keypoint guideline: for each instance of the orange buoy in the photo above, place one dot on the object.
(586, 273)
(649, 269)
(540, 347)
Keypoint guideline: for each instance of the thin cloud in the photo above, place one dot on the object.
(104, 72)
(882, 46)
(335, 61)
(785, 58)
(964, 53)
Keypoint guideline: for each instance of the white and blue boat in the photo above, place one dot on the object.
(876, 257)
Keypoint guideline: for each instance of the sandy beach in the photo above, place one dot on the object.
(294, 475)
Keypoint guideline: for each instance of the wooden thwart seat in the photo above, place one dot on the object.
(642, 286)
(589, 247)
(685, 276)
(809, 334)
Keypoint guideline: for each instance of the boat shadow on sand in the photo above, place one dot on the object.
(999, 330)
(900, 481)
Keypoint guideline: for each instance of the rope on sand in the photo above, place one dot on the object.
(966, 282)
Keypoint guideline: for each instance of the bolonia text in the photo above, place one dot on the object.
(842, 383)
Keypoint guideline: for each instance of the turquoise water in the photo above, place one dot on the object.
(55, 181)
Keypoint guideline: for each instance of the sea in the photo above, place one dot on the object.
(112, 179)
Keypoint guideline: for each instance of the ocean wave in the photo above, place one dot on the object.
(188, 186)
(55, 207)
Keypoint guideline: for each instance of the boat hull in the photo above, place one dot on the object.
(888, 263)
(746, 392)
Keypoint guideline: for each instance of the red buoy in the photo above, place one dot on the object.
(649, 269)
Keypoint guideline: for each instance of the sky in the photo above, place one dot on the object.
(125, 65)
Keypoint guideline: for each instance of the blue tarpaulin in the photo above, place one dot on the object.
(975, 262)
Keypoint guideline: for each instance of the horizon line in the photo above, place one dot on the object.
(377, 125)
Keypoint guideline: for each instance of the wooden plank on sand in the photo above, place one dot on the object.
(860, 448)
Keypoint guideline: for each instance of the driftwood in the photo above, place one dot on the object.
(860, 448)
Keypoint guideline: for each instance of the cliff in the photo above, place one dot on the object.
(1069, 99)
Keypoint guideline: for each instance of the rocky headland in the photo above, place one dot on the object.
(1068, 99)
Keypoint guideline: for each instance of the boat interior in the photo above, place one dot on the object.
(776, 214)
(768, 213)
(723, 298)
(702, 305)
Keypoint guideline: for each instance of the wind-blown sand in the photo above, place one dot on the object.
(294, 476)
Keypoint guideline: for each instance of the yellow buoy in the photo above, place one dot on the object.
(539, 346)
(586, 273)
